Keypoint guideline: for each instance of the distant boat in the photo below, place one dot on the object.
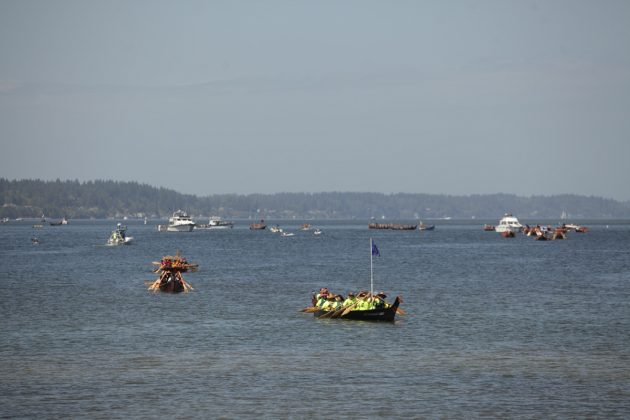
(216, 222)
(63, 221)
(180, 222)
(276, 229)
(422, 226)
(119, 236)
(287, 234)
(575, 227)
(258, 226)
(392, 226)
(509, 223)
(488, 228)
(317, 232)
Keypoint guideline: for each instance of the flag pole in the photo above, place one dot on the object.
(371, 269)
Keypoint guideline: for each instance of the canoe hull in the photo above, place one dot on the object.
(171, 285)
(383, 314)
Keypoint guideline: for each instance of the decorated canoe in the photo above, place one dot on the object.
(387, 314)
(170, 270)
(392, 226)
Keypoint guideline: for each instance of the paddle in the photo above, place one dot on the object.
(338, 313)
(400, 311)
(347, 310)
(328, 314)
(310, 309)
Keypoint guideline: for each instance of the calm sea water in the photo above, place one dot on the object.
(494, 327)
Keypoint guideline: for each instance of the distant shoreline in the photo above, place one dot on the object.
(112, 199)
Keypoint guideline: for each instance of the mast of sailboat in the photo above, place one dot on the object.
(371, 269)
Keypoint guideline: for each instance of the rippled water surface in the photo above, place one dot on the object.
(494, 327)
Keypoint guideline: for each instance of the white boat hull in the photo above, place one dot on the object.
(180, 228)
(501, 229)
(509, 223)
(116, 242)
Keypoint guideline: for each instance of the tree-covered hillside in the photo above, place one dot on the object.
(102, 199)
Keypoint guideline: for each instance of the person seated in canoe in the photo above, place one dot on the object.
(320, 298)
(338, 302)
(379, 301)
(363, 302)
(350, 300)
(329, 304)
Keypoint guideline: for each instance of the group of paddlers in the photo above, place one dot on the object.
(544, 233)
(362, 301)
(170, 270)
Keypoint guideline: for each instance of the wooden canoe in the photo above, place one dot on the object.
(382, 314)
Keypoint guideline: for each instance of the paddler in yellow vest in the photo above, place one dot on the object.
(322, 291)
(381, 303)
(328, 305)
(350, 300)
(362, 302)
(338, 303)
(321, 297)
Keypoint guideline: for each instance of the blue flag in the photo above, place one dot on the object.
(375, 250)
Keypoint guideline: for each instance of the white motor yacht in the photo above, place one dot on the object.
(509, 223)
(180, 222)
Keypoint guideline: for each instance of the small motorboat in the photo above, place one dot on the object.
(119, 236)
(287, 233)
(216, 222)
(317, 232)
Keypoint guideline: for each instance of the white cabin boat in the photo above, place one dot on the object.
(180, 222)
(509, 223)
(216, 222)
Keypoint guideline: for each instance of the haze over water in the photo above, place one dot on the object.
(494, 327)
(220, 97)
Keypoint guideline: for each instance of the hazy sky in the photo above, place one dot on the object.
(453, 97)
